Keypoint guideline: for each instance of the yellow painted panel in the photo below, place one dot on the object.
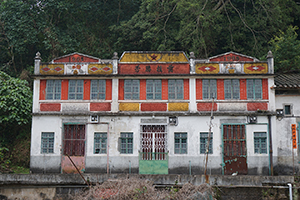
(154, 57)
(129, 106)
(256, 68)
(52, 69)
(100, 68)
(207, 68)
(178, 106)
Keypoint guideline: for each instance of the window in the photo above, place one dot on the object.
(126, 142)
(76, 89)
(232, 89)
(287, 109)
(260, 142)
(209, 89)
(203, 142)
(180, 143)
(153, 89)
(131, 89)
(100, 140)
(47, 143)
(254, 89)
(98, 89)
(53, 89)
(175, 89)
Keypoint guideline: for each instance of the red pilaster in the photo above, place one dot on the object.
(186, 89)
(64, 89)
(243, 89)
(220, 89)
(43, 89)
(143, 89)
(121, 89)
(86, 89)
(265, 89)
(108, 93)
(198, 89)
(164, 89)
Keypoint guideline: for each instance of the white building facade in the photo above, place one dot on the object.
(150, 113)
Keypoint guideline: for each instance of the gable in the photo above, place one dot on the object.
(232, 57)
(76, 58)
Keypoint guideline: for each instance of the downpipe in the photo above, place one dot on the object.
(290, 191)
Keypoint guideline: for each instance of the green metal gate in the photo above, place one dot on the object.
(153, 157)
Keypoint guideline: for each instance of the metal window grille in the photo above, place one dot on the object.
(74, 140)
(153, 142)
(260, 142)
(100, 143)
(127, 143)
(209, 88)
(131, 89)
(47, 143)
(76, 89)
(98, 89)
(254, 89)
(180, 143)
(175, 88)
(153, 89)
(53, 89)
(203, 142)
(232, 89)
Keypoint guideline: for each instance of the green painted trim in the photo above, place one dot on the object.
(154, 166)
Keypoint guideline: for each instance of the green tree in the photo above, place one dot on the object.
(286, 51)
(15, 108)
(205, 27)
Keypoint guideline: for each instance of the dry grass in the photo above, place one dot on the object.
(143, 189)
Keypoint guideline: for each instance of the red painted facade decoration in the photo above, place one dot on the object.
(230, 58)
(153, 107)
(206, 106)
(50, 107)
(100, 106)
(154, 69)
(76, 58)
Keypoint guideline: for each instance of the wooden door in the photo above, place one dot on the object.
(74, 147)
(234, 149)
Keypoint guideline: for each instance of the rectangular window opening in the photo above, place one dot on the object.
(126, 141)
(53, 90)
(203, 143)
(131, 89)
(180, 143)
(260, 142)
(153, 89)
(76, 89)
(98, 89)
(47, 143)
(175, 88)
(100, 143)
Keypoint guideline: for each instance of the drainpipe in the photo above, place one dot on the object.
(270, 147)
(290, 191)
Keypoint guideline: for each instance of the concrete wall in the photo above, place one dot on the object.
(193, 162)
(284, 135)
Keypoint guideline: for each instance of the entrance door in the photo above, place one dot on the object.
(153, 154)
(234, 149)
(74, 147)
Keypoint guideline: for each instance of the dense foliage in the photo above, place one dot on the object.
(15, 108)
(98, 28)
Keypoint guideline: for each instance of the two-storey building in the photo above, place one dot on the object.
(152, 113)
